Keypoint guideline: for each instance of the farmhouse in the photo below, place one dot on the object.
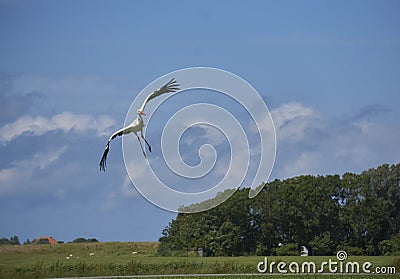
(45, 240)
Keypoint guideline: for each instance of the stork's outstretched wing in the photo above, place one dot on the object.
(170, 86)
(103, 161)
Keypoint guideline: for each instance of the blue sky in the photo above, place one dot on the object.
(69, 70)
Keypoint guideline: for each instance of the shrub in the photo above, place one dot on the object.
(396, 263)
(290, 249)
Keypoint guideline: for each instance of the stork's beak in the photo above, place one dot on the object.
(142, 113)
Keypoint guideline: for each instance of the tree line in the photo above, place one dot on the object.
(358, 213)
(14, 240)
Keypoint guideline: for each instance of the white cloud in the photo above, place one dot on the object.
(42, 160)
(309, 143)
(303, 163)
(115, 198)
(16, 178)
(8, 177)
(288, 112)
(293, 119)
(66, 121)
(127, 189)
(214, 135)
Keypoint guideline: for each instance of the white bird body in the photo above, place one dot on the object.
(137, 125)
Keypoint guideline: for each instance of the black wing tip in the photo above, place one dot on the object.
(103, 161)
(102, 166)
(173, 85)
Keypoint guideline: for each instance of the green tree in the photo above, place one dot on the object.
(4, 241)
(265, 219)
(27, 242)
(322, 245)
(14, 240)
(225, 241)
(355, 212)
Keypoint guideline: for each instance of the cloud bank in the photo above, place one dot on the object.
(309, 142)
(65, 122)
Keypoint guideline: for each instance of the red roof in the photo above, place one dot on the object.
(48, 238)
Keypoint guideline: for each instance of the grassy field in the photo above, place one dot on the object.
(123, 259)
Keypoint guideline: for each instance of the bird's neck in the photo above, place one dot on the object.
(140, 119)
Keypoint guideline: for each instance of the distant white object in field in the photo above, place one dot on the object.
(91, 254)
(67, 258)
(134, 253)
(303, 251)
(138, 124)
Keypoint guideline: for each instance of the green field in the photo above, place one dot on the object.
(133, 258)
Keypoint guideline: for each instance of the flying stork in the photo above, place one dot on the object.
(138, 124)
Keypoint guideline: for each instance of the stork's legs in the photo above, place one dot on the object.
(148, 145)
(141, 146)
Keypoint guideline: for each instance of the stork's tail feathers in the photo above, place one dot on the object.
(103, 161)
